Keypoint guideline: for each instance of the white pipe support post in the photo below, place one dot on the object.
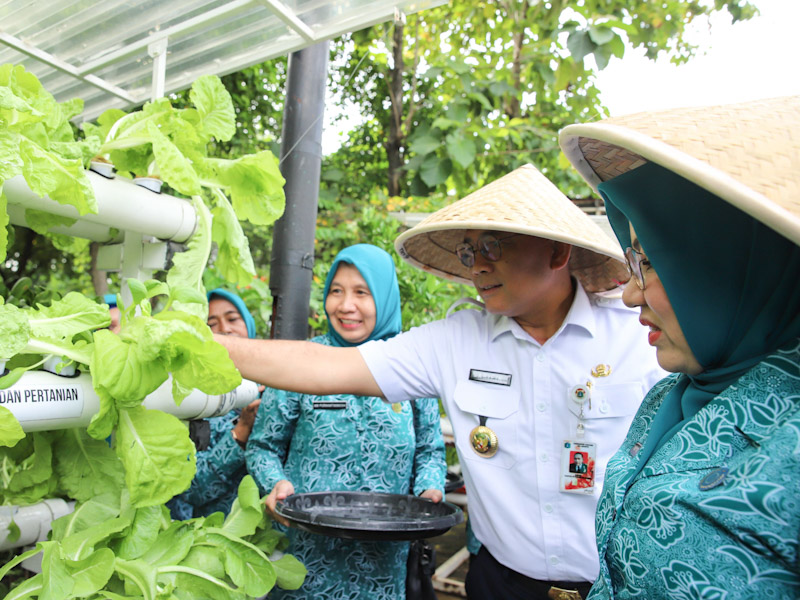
(43, 401)
(158, 52)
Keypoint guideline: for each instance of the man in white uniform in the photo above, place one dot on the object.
(549, 365)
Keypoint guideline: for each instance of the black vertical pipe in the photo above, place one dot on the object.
(292, 255)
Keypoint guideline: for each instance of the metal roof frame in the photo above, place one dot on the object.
(119, 54)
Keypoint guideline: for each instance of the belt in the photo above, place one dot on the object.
(553, 590)
(557, 593)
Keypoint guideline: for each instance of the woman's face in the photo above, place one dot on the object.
(350, 305)
(672, 349)
(224, 318)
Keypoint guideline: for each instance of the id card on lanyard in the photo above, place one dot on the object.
(578, 455)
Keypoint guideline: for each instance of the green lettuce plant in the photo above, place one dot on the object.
(109, 549)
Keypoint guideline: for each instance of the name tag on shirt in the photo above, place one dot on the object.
(490, 377)
(330, 404)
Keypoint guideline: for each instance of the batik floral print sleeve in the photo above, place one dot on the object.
(430, 468)
(345, 443)
(715, 513)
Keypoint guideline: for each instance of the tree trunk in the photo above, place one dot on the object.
(394, 143)
(512, 104)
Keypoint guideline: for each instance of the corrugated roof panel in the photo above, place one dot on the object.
(98, 50)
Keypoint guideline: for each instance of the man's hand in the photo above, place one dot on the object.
(301, 366)
(281, 491)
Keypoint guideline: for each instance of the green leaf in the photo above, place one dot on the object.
(11, 163)
(10, 429)
(65, 318)
(425, 145)
(188, 266)
(124, 367)
(92, 573)
(139, 577)
(158, 455)
(173, 166)
(254, 184)
(248, 567)
(171, 546)
(580, 44)
(601, 35)
(245, 514)
(85, 515)
(290, 572)
(143, 533)
(56, 580)
(27, 589)
(138, 291)
(14, 330)
(4, 569)
(63, 180)
(193, 583)
(36, 470)
(233, 257)
(457, 112)
(207, 559)
(461, 149)
(86, 467)
(198, 363)
(435, 171)
(213, 103)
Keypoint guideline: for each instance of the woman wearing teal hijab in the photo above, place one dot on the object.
(303, 443)
(701, 500)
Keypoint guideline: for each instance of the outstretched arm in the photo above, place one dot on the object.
(301, 366)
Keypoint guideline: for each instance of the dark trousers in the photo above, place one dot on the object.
(487, 579)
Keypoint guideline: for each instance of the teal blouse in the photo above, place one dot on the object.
(367, 446)
(715, 512)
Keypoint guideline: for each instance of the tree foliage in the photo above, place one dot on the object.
(449, 99)
(464, 93)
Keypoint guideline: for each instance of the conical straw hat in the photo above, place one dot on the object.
(524, 201)
(747, 154)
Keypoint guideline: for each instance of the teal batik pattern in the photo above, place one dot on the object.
(367, 446)
(666, 537)
(220, 469)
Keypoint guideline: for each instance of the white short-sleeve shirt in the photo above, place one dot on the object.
(516, 508)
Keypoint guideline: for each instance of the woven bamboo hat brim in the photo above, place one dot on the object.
(747, 154)
(526, 202)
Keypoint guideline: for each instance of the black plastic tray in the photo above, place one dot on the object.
(369, 515)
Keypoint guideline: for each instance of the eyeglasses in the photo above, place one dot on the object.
(635, 260)
(488, 246)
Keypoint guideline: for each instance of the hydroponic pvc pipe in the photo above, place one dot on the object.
(43, 401)
(121, 204)
(33, 521)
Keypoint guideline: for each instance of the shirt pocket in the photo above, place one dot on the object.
(500, 406)
(607, 422)
(611, 401)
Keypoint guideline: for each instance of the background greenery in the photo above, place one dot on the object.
(450, 99)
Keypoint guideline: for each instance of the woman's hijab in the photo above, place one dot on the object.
(732, 281)
(248, 319)
(377, 268)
